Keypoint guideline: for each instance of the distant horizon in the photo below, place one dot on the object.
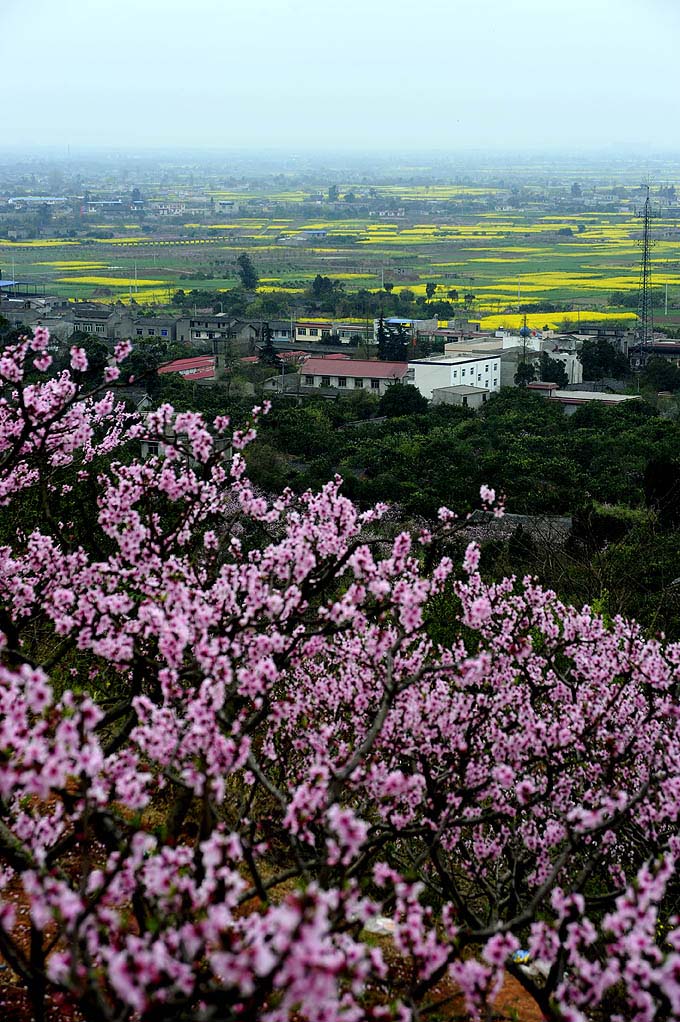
(573, 152)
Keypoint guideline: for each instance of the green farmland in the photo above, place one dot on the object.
(495, 263)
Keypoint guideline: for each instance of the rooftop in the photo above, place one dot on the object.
(355, 367)
(450, 358)
(460, 390)
(582, 397)
(201, 367)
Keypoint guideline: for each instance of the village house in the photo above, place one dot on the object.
(343, 374)
(312, 330)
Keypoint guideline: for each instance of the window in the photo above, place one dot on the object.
(375, 384)
(465, 401)
(325, 381)
(309, 381)
(479, 376)
(302, 331)
(462, 372)
(486, 368)
(358, 383)
(151, 331)
(313, 332)
(342, 381)
(139, 332)
(164, 333)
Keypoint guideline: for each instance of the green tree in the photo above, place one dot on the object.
(552, 370)
(402, 399)
(268, 354)
(526, 373)
(430, 289)
(247, 272)
(599, 358)
(660, 375)
(333, 193)
(382, 337)
(393, 342)
(662, 490)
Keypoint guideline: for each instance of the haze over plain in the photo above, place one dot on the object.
(437, 75)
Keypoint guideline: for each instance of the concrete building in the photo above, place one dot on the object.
(343, 374)
(573, 399)
(511, 349)
(36, 310)
(481, 371)
(309, 330)
(468, 397)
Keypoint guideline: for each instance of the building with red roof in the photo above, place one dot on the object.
(200, 367)
(351, 374)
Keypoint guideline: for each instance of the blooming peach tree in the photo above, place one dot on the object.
(227, 745)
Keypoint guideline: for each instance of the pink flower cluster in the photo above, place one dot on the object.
(227, 744)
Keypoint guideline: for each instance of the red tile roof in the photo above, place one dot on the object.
(201, 367)
(355, 367)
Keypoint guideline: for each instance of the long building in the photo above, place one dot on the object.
(351, 374)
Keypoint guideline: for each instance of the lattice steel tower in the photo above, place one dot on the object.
(644, 332)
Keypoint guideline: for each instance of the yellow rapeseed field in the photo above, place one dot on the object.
(553, 320)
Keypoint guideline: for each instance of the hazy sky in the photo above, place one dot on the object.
(345, 74)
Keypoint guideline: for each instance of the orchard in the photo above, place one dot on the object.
(228, 744)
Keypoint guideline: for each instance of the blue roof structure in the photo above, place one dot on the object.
(8, 283)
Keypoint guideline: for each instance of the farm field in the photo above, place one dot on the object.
(495, 262)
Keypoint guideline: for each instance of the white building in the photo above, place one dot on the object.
(511, 349)
(465, 369)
